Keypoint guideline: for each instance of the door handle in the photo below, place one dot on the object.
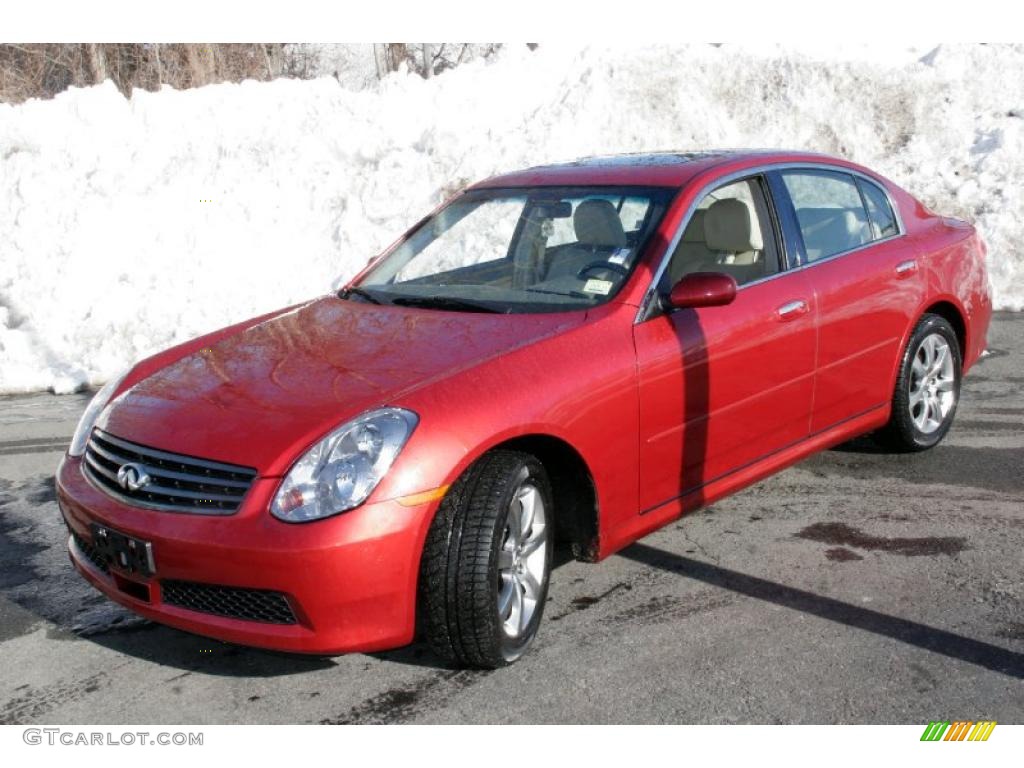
(792, 309)
(906, 268)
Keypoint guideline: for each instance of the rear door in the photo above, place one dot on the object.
(861, 270)
(721, 387)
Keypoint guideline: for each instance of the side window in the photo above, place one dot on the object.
(730, 231)
(883, 222)
(829, 212)
(633, 213)
(560, 232)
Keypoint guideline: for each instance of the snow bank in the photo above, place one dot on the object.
(128, 226)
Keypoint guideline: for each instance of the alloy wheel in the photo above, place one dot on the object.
(521, 560)
(932, 387)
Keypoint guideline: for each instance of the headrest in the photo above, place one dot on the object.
(597, 223)
(694, 232)
(857, 227)
(729, 226)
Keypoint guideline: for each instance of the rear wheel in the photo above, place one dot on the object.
(487, 562)
(927, 388)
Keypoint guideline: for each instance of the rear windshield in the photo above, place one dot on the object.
(542, 249)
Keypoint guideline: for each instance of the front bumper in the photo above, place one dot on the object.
(350, 580)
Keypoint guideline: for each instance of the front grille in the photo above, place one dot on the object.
(177, 483)
(90, 553)
(232, 602)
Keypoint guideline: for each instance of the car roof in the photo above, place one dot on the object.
(655, 169)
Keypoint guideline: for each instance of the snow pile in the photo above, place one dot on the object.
(128, 226)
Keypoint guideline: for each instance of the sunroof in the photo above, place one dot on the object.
(641, 158)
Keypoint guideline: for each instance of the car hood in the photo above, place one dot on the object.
(260, 395)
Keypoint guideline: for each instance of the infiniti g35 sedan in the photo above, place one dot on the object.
(575, 354)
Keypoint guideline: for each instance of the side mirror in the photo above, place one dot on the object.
(703, 289)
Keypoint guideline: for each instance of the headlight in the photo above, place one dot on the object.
(341, 471)
(88, 420)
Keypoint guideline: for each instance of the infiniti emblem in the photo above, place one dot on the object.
(132, 477)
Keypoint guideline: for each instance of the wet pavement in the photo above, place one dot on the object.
(854, 587)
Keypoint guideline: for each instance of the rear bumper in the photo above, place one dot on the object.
(349, 580)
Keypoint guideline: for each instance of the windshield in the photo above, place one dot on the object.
(542, 249)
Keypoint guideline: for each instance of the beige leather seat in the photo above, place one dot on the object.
(599, 233)
(597, 223)
(731, 229)
(692, 254)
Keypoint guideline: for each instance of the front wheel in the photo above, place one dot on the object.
(487, 561)
(927, 388)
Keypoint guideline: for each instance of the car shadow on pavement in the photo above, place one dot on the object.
(863, 444)
(977, 652)
(170, 647)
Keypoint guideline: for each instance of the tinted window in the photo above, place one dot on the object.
(730, 232)
(829, 211)
(883, 222)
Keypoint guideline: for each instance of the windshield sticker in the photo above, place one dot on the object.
(619, 256)
(602, 287)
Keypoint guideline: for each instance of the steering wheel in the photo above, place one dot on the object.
(609, 265)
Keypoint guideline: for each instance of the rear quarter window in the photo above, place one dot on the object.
(880, 214)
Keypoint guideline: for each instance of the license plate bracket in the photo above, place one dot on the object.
(124, 552)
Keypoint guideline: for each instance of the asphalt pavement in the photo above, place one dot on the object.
(855, 587)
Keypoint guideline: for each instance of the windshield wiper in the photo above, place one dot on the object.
(361, 293)
(573, 294)
(443, 302)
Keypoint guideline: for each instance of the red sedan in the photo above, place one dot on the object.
(577, 353)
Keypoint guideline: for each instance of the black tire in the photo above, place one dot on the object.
(902, 434)
(459, 576)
